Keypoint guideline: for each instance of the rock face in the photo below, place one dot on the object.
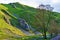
(56, 38)
(6, 16)
(23, 23)
(7, 20)
(13, 5)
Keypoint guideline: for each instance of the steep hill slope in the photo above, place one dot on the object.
(22, 11)
(29, 14)
(6, 29)
(21, 20)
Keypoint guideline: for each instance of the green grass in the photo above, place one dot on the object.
(24, 12)
(6, 30)
(30, 14)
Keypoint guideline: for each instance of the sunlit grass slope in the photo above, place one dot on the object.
(7, 30)
(30, 14)
(10, 26)
(24, 12)
(16, 11)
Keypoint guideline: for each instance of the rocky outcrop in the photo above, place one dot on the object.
(7, 20)
(23, 23)
(13, 5)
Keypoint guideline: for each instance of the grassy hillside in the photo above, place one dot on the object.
(7, 30)
(24, 12)
(29, 14)
(11, 13)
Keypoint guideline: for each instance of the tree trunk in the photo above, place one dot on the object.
(45, 33)
(44, 28)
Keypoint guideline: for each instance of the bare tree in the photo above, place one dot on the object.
(53, 29)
